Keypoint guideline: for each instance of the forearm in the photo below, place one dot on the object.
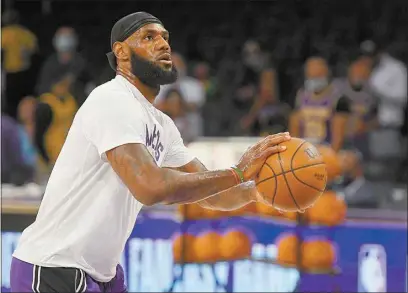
(232, 198)
(337, 142)
(183, 188)
(151, 184)
(294, 125)
(339, 131)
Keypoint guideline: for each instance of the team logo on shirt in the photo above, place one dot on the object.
(153, 141)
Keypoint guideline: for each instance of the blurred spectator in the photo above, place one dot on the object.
(14, 170)
(268, 113)
(202, 73)
(53, 118)
(175, 106)
(18, 45)
(66, 60)
(253, 61)
(191, 90)
(25, 115)
(321, 110)
(388, 81)
(363, 118)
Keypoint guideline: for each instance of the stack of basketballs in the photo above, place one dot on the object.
(304, 165)
(316, 253)
(210, 246)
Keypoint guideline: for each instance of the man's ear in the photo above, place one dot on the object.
(121, 51)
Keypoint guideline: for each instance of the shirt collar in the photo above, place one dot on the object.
(136, 93)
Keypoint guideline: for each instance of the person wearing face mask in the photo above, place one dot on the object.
(363, 105)
(321, 111)
(66, 60)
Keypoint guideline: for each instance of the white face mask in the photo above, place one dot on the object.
(316, 84)
(65, 43)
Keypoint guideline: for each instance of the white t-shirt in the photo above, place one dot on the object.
(389, 82)
(87, 213)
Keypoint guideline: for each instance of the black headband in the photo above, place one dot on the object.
(125, 27)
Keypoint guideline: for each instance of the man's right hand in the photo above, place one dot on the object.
(254, 158)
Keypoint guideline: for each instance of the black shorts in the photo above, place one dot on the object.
(26, 277)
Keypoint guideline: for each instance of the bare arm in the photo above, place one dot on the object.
(339, 131)
(151, 184)
(294, 123)
(226, 200)
(340, 123)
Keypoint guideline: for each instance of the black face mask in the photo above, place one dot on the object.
(151, 74)
(357, 85)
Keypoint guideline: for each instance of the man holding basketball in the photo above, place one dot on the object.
(122, 153)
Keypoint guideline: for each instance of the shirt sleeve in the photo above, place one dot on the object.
(109, 122)
(343, 105)
(178, 154)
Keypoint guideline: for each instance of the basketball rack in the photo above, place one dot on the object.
(300, 224)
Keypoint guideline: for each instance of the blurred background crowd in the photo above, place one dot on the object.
(333, 72)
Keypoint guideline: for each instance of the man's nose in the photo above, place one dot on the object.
(162, 45)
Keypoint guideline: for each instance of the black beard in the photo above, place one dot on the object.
(151, 74)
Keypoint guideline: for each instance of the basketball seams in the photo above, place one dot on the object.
(284, 165)
(276, 182)
(293, 170)
(294, 154)
(307, 184)
(286, 180)
(285, 172)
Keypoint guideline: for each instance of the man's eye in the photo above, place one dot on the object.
(149, 37)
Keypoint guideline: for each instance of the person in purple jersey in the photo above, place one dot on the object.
(122, 153)
(322, 112)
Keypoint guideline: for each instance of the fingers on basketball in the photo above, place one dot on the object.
(294, 179)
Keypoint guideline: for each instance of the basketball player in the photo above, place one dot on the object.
(122, 153)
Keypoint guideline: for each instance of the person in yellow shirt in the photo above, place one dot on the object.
(54, 115)
(18, 46)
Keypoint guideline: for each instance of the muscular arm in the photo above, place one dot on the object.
(151, 184)
(226, 200)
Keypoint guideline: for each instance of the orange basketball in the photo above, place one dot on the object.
(288, 247)
(294, 179)
(206, 247)
(318, 254)
(332, 161)
(183, 248)
(235, 245)
(329, 210)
